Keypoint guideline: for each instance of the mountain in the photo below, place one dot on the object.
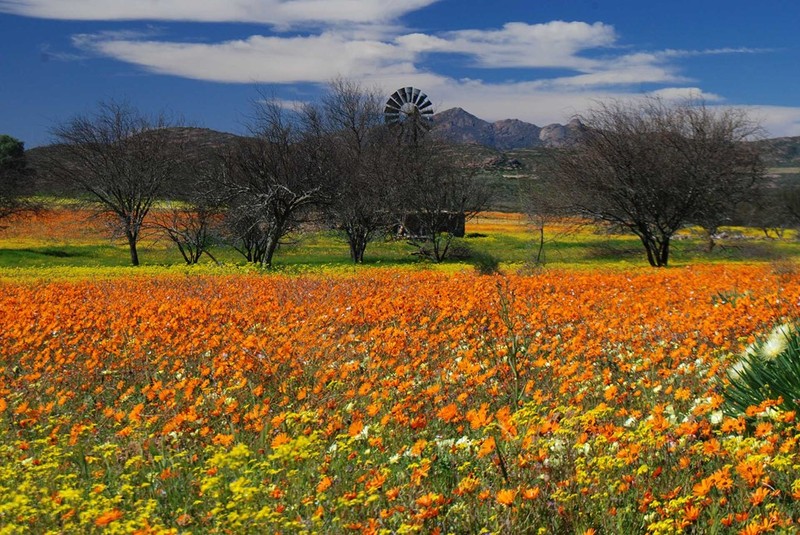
(781, 151)
(459, 126)
(196, 144)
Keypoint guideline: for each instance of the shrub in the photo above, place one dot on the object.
(769, 369)
(485, 263)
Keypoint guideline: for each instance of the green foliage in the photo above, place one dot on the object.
(768, 370)
(12, 153)
(485, 263)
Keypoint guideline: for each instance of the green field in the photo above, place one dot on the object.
(66, 237)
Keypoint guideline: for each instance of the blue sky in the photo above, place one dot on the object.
(541, 61)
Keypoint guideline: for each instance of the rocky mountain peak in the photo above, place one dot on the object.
(459, 126)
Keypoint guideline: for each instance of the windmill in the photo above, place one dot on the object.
(410, 111)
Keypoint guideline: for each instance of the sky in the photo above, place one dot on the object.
(206, 62)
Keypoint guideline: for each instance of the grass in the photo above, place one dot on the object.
(66, 236)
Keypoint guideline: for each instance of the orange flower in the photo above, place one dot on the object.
(506, 496)
(324, 484)
(759, 495)
(531, 493)
(135, 415)
(108, 517)
(703, 487)
(691, 513)
(487, 447)
(479, 418)
(448, 413)
(428, 500)
(751, 471)
(223, 440)
(418, 446)
(355, 428)
(280, 440)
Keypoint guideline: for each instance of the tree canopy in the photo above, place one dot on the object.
(652, 167)
(13, 173)
(123, 158)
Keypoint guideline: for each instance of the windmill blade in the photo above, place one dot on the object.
(411, 109)
(397, 99)
(391, 107)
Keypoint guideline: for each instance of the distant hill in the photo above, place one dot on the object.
(459, 126)
(781, 151)
(198, 144)
(197, 141)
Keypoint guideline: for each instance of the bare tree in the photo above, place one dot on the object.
(434, 196)
(652, 167)
(190, 226)
(349, 123)
(122, 158)
(791, 206)
(540, 202)
(269, 180)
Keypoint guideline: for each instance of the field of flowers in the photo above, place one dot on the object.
(393, 401)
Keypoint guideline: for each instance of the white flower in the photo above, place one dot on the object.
(737, 371)
(777, 342)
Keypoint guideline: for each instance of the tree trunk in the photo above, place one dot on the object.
(663, 253)
(132, 239)
(540, 250)
(357, 239)
(441, 245)
(657, 250)
(269, 251)
(357, 247)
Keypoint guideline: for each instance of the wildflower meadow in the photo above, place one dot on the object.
(396, 401)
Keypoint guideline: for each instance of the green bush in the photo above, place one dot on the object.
(768, 369)
(485, 263)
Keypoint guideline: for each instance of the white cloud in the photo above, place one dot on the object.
(319, 57)
(263, 59)
(278, 12)
(685, 93)
(778, 121)
(46, 53)
(711, 52)
(552, 44)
